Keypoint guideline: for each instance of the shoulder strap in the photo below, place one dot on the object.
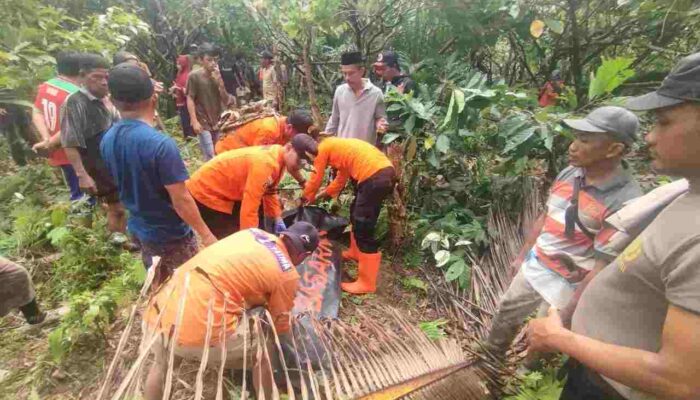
(574, 202)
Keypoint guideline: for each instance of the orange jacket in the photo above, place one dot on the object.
(239, 269)
(248, 175)
(353, 158)
(260, 132)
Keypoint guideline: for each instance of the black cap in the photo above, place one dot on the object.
(305, 146)
(303, 235)
(351, 58)
(129, 83)
(680, 86)
(388, 58)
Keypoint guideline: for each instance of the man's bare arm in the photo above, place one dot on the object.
(40, 124)
(84, 179)
(187, 209)
(530, 239)
(672, 373)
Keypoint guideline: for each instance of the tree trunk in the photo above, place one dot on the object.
(308, 77)
(576, 67)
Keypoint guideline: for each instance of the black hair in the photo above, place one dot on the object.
(89, 62)
(301, 120)
(68, 63)
(208, 49)
(266, 55)
(123, 56)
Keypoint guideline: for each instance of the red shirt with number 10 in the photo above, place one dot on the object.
(49, 100)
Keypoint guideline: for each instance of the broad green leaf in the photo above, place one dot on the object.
(459, 100)
(441, 258)
(390, 137)
(519, 138)
(443, 144)
(455, 270)
(413, 282)
(609, 76)
(463, 243)
(555, 26)
(429, 142)
(547, 137)
(410, 124)
(395, 107)
(450, 111)
(432, 237)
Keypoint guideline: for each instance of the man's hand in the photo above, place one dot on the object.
(208, 240)
(381, 125)
(196, 126)
(87, 184)
(41, 146)
(542, 332)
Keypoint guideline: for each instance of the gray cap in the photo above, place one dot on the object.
(303, 236)
(618, 122)
(681, 85)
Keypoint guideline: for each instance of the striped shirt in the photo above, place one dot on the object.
(596, 202)
(554, 256)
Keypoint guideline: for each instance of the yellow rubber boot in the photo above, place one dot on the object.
(366, 274)
(352, 253)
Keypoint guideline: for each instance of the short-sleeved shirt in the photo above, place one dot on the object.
(249, 268)
(354, 117)
(49, 100)
(142, 162)
(209, 105)
(627, 302)
(85, 117)
(555, 256)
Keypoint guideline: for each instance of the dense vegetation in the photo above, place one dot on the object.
(470, 132)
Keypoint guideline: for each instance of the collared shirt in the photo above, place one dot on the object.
(354, 117)
(555, 256)
(627, 303)
(85, 117)
(142, 162)
(239, 272)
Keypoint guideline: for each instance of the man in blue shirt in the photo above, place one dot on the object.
(150, 174)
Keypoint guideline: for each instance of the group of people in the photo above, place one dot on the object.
(612, 273)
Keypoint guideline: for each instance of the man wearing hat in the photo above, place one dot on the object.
(358, 106)
(150, 175)
(635, 330)
(567, 241)
(387, 67)
(246, 270)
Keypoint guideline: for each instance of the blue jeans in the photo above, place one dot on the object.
(72, 182)
(207, 139)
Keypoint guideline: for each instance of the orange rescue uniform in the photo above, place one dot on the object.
(352, 158)
(239, 270)
(249, 175)
(260, 132)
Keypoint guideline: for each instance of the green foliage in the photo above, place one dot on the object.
(434, 329)
(32, 33)
(451, 256)
(91, 312)
(411, 282)
(609, 76)
(539, 386)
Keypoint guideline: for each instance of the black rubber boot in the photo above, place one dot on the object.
(32, 313)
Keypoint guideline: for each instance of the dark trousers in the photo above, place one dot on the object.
(585, 384)
(185, 123)
(223, 224)
(172, 254)
(365, 208)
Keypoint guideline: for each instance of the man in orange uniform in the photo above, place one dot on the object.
(230, 188)
(249, 269)
(266, 131)
(374, 175)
